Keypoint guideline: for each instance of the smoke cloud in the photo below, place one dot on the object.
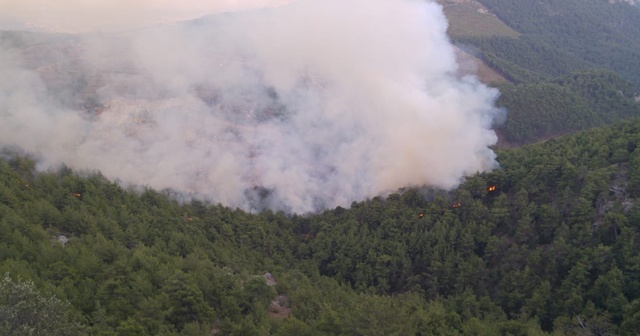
(302, 107)
(78, 16)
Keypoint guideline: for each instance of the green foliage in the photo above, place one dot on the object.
(553, 249)
(25, 311)
(558, 37)
(542, 110)
(576, 102)
(526, 59)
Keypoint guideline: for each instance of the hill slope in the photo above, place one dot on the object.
(576, 102)
(471, 18)
(563, 36)
(551, 247)
(554, 54)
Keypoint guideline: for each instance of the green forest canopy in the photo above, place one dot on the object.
(551, 249)
(572, 64)
(572, 103)
(558, 37)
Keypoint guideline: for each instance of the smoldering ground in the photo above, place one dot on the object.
(306, 106)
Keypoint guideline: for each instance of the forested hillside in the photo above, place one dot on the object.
(572, 65)
(547, 244)
(558, 37)
(572, 103)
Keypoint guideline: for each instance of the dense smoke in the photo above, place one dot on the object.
(307, 106)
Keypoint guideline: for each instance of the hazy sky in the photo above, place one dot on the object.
(77, 16)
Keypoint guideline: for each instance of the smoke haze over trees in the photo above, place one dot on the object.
(309, 106)
(302, 107)
(551, 249)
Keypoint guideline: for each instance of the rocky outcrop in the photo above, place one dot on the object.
(280, 307)
(269, 279)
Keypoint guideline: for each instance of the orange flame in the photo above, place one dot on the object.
(77, 195)
(492, 188)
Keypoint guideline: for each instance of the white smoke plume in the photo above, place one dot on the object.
(306, 106)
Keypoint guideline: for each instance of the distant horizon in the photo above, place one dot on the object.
(76, 17)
